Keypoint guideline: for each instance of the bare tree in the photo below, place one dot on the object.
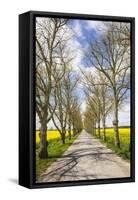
(93, 104)
(111, 56)
(70, 83)
(105, 100)
(92, 90)
(65, 98)
(60, 115)
(75, 115)
(90, 120)
(77, 120)
(50, 42)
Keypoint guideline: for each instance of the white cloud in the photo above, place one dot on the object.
(77, 53)
(123, 116)
(37, 122)
(83, 106)
(77, 29)
(98, 26)
(50, 124)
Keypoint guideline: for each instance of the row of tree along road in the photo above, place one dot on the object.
(106, 87)
(56, 82)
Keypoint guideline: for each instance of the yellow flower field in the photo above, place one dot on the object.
(50, 135)
(124, 134)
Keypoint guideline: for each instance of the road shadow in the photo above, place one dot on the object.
(66, 166)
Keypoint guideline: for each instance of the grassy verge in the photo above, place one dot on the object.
(124, 150)
(55, 150)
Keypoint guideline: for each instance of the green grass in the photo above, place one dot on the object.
(55, 150)
(124, 134)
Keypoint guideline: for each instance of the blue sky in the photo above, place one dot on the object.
(85, 33)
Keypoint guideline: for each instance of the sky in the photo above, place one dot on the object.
(83, 32)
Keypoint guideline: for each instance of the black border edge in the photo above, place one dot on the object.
(32, 100)
(24, 96)
(133, 99)
(34, 14)
(82, 16)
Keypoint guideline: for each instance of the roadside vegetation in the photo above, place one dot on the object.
(55, 148)
(124, 134)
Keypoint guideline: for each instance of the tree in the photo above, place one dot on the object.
(70, 83)
(93, 105)
(110, 54)
(60, 115)
(65, 100)
(78, 124)
(106, 100)
(90, 120)
(50, 42)
(75, 115)
(93, 93)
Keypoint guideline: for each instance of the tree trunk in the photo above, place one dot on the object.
(69, 130)
(94, 128)
(115, 124)
(99, 135)
(63, 136)
(43, 154)
(99, 116)
(103, 118)
(104, 130)
(74, 130)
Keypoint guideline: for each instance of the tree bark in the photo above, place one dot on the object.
(94, 128)
(69, 130)
(99, 135)
(63, 136)
(115, 125)
(43, 154)
(74, 130)
(104, 129)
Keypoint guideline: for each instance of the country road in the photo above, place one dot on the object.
(87, 158)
